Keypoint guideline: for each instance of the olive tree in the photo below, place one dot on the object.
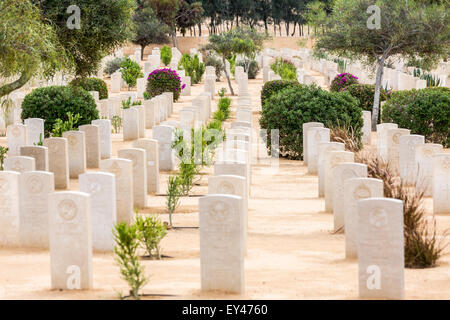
(373, 31)
(27, 46)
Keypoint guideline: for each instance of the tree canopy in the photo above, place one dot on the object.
(409, 29)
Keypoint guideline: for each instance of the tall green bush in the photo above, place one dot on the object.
(166, 55)
(193, 67)
(288, 109)
(131, 71)
(92, 84)
(425, 112)
(55, 102)
(285, 69)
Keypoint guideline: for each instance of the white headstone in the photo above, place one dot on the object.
(367, 127)
(331, 160)
(441, 183)
(35, 187)
(393, 147)
(151, 148)
(306, 127)
(165, 136)
(186, 80)
(407, 146)
(9, 209)
(105, 137)
(357, 189)
(151, 109)
(70, 241)
(35, 130)
(324, 148)
(17, 135)
(315, 136)
(423, 158)
(76, 141)
(123, 171)
(382, 130)
(222, 236)
(139, 158)
(40, 155)
(20, 164)
(130, 124)
(380, 246)
(58, 161)
(116, 82)
(102, 188)
(340, 174)
(92, 137)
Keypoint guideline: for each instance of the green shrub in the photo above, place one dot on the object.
(151, 231)
(215, 62)
(164, 80)
(112, 66)
(51, 103)
(92, 84)
(425, 112)
(3, 152)
(342, 81)
(131, 71)
(253, 68)
(62, 126)
(288, 109)
(285, 69)
(224, 105)
(275, 86)
(166, 55)
(365, 94)
(193, 67)
(126, 256)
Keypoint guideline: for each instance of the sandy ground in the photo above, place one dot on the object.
(292, 253)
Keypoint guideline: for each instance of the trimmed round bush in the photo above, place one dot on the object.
(112, 66)
(253, 68)
(275, 86)
(51, 103)
(288, 109)
(166, 55)
(342, 81)
(164, 80)
(425, 112)
(92, 84)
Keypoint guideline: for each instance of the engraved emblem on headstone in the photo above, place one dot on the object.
(219, 212)
(115, 169)
(72, 139)
(67, 210)
(226, 188)
(34, 184)
(378, 217)
(362, 192)
(16, 132)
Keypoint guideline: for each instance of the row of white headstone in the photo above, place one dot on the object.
(223, 213)
(373, 225)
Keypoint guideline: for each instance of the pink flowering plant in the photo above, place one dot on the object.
(164, 80)
(342, 81)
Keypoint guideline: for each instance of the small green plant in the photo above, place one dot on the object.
(41, 141)
(61, 126)
(285, 69)
(224, 105)
(131, 71)
(432, 81)
(173, 196)
(151, 231)
(222, 92)
(215, 62)
(112, 66)
(192, 67)
(3, 152)
(116, 122)
(166, 55)
(126, 256)
(147, 96)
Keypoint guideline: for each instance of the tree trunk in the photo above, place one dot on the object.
(295, 28)
(142, 51)
(174, 39)
(266, 27)
(376, 98)
(227, 75)
(19, 83)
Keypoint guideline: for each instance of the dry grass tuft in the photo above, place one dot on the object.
(423, 248)
(345, 134)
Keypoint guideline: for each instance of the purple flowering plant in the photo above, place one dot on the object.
(164, 80)
(342, 81)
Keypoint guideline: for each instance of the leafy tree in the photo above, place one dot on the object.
(410, 29)
(27, 45)
(235, 41)
(149, 29)
(104, 26)
(189, 15)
